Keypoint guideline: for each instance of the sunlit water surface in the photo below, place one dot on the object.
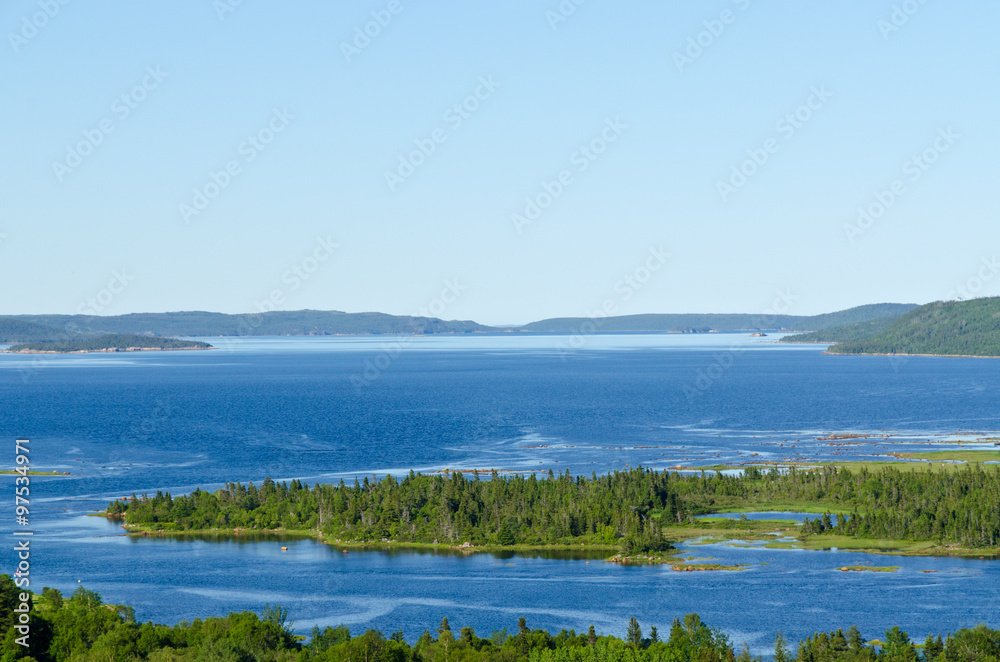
(328, 408)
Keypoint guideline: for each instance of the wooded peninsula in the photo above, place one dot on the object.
(636, 512)
(942, 328)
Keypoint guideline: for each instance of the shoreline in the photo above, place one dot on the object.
(110, 350)
(690, 535)
(142, 531)
(33, 472)
(940, 356)
(917, 463)
(384, 545)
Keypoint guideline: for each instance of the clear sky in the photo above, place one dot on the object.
(116, 116)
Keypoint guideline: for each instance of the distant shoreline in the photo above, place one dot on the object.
(943, 356)
(109, 350)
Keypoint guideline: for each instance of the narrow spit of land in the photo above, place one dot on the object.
(108, 343)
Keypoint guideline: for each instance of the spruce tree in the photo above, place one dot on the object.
(781, 649)
(634, 634)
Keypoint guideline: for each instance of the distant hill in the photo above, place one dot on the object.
(276, 323)
(27, 328)
(843, 333)
(660, 323)
(700, 323)
(13, 330)
(108, 343)
(876, 313)
(967, 328)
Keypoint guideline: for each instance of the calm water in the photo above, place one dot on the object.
(326, 408)
(766, 515)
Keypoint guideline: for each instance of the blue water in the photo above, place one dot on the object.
(765, 515)
(323, 409)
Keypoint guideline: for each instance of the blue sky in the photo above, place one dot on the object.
(118, 115)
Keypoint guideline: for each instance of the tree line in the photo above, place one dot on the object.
(82, 628)
(628, 509)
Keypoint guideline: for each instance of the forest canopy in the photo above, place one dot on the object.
(82, 628)
(633, 510)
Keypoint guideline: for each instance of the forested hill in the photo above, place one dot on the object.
(31, 328)
(659, 323)
(876, 312)
(955, 328)
(275, 323)
(16, 330)
(842, 333)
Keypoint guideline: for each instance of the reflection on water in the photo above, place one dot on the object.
(555, 555)
(798, 592)
(388, 550)
(782, 515)
(234, 538)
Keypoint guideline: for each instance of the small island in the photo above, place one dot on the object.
(638, 516)
(107, 343)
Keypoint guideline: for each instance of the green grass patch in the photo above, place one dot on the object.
(960, 457)
(706, 567)
(874, 546)
(32, 472)
(761, 530)
(955, 456)
(645, 559)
